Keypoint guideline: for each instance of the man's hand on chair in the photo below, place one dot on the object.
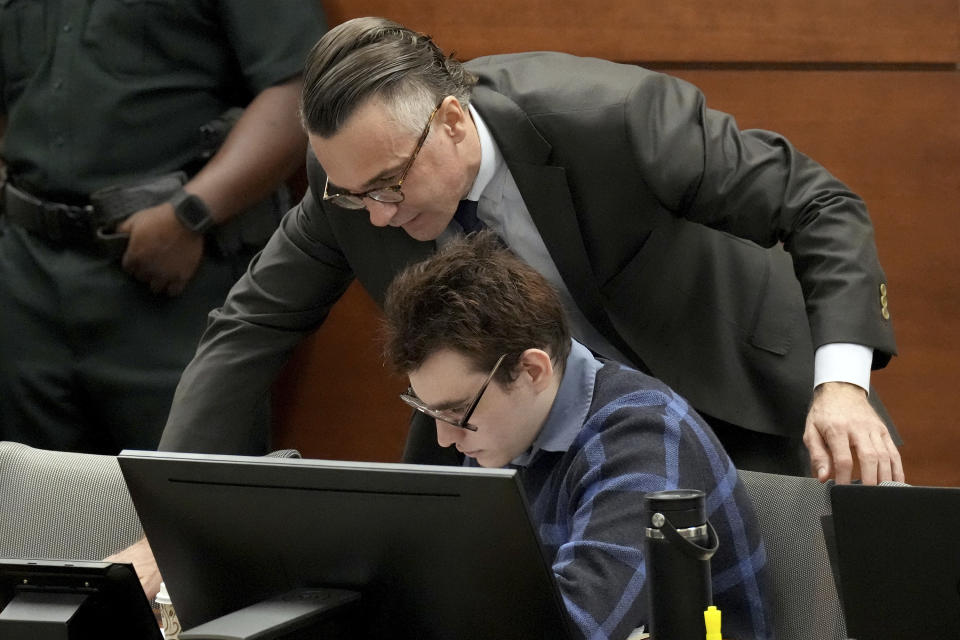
(141, 556)
(842, 424)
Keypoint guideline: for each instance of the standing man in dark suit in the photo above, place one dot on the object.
(661, 223)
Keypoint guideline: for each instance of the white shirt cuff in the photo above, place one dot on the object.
(843, 362)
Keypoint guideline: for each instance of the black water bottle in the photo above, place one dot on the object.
(680, 542)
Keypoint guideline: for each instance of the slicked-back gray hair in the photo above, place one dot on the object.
(368, 58)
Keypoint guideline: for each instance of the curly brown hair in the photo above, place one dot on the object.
(477, 298)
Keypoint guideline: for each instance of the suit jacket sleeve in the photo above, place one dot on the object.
(287, 292)
(756, 185)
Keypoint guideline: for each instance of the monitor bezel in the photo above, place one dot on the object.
(244, 494)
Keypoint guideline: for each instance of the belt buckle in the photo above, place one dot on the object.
(67, 224)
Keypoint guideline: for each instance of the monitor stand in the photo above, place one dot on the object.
(40, 616)
(321, 613)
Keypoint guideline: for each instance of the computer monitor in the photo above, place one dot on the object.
(73, 600)
(434, 552)
(898, 560)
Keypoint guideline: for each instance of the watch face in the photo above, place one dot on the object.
(193, 213)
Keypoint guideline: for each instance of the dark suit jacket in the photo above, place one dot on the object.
(656, 211)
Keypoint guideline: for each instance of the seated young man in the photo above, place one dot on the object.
(485, 344)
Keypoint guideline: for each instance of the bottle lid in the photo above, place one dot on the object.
(683, 507)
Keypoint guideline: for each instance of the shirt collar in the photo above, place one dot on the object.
(570, 407)
(490, 157)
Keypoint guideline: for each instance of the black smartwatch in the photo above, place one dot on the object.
(191, 211)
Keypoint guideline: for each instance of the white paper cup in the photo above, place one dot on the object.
(168, 617)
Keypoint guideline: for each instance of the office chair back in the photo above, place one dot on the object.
(789, 510)
(60, 505)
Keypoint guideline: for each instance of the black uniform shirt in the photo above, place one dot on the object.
(103, 92)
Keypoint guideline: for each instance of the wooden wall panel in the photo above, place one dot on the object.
(335, 399)
(890, 132)
(859, 31)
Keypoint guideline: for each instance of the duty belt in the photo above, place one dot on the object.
(91, 227)
(87, 227)
(62, 225)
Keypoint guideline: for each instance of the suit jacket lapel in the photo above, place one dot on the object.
(547, 195)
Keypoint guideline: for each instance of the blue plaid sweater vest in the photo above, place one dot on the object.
(588, 505)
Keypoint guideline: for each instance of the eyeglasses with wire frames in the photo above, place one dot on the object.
(391, 194)
(442, 414)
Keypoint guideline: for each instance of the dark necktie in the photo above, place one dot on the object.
(466, 215)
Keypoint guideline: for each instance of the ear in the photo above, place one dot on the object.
(537, 366)
(455, 119)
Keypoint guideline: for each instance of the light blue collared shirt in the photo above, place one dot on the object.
(570, 407)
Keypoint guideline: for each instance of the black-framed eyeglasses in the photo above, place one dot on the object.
(442, 414)
(391, 194)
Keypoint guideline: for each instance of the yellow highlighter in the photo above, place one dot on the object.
(711, 618)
